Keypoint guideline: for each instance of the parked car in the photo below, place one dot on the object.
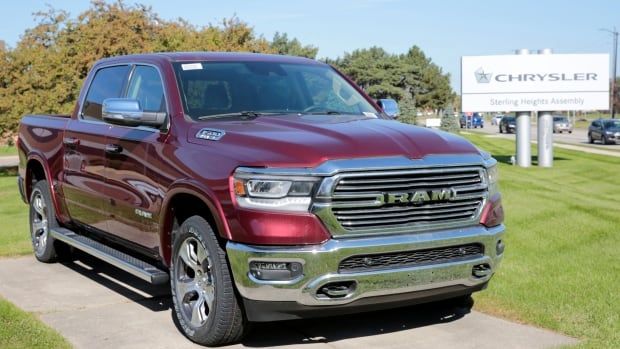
(605, 130)
(390, 107)
(237, 179)
(561, 124)
(496, 119)
(474, 120)
(508, 124)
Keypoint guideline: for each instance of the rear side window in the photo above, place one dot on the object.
(107, 83)
(147, 88)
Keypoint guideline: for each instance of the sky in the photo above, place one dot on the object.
(445, 30)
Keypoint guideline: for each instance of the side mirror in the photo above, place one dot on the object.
(380, 104)
(125, 111)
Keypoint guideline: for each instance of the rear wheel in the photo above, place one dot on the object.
(206, 308)
(42, 220)
(500, 129)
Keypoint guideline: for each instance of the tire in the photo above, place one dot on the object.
(500, 130)
(42, 217)
(206, 309)
(604, 140)
(590, 139)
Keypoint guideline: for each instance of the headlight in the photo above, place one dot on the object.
(493, 179)
(272, 193)
(609, 132)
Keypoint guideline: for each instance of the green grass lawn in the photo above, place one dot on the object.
(5, 150)
(14, 237)
(562, 265)
(19, 329)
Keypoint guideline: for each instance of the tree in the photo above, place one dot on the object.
(411, 78)
(44, 72)
(281, 44)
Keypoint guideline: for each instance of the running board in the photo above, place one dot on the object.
(115, 257)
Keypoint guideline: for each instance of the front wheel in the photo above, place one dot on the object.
(590, 139)
(206, 308)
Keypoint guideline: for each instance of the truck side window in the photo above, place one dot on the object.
(107, 83)
(146, 86)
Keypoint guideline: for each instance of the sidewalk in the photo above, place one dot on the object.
(9, 161)
(94, 305)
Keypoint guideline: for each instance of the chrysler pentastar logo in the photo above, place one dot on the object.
(418, 197)
(482, 77)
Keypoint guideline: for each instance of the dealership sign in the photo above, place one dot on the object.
(546, 82)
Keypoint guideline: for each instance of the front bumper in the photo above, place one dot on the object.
(321, 264)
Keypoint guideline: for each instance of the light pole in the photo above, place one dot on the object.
(613, 75)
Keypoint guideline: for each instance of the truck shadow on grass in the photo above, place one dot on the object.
(307, 331)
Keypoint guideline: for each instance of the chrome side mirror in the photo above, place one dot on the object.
(125, 111)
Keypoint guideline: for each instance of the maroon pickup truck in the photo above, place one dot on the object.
(261, 187)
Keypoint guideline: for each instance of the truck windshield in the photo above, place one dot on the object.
(213, 89)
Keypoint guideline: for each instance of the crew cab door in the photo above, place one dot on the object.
(84, 141)
(132, 198)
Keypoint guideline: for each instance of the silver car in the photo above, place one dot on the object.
(561, 124)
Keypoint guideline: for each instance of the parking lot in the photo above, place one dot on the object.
(578, 137)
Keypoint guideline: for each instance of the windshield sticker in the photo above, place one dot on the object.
(191, 66)
(372, 115)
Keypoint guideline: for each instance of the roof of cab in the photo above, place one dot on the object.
(210, 56)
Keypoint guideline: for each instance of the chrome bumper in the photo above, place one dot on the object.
(320, 266)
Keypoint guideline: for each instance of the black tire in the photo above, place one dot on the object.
(604, 140)
(206, 308)
(590, 139)
(500, 129)
(42, 219)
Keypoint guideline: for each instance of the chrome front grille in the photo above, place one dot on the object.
(378, 202)
(406, 259)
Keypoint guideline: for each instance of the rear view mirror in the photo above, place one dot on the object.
(125, 111)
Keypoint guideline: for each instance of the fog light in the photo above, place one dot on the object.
(275, 271)
(499, 249)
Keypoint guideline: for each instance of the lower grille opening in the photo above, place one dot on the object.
(410, 258)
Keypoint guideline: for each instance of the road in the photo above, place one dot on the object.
(578, 137)
(94, 305)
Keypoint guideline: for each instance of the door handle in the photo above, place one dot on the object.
(71, 141)
(113, 149)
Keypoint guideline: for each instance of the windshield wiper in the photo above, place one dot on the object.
(246, 113)
(324, 112)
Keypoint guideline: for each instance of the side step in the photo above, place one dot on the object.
(106, 253)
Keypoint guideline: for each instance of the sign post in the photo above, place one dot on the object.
(545, 131)
(523, 143)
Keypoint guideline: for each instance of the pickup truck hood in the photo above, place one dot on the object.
(308, 140)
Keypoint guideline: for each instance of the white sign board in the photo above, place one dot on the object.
(535, 82)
